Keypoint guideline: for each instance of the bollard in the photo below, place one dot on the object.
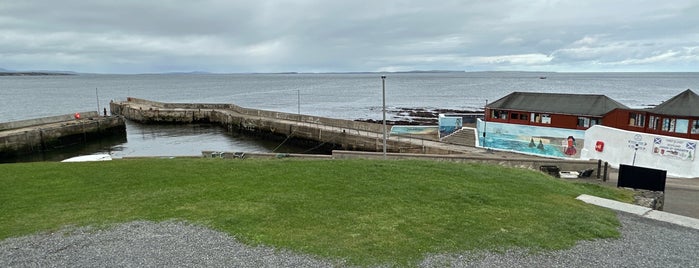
(599, 167)
(606, 164)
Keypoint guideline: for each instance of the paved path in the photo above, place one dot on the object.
(681, 195)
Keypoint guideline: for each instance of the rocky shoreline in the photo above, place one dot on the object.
(421, 116)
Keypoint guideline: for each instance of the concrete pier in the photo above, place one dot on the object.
(44, 134)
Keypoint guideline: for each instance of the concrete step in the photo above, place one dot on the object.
(464, 136)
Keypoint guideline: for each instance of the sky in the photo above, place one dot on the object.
(220, 36)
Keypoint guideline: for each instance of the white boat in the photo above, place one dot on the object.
(89, 158)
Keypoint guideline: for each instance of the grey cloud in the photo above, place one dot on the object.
(269, 36)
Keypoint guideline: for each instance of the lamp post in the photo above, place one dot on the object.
(383, 93)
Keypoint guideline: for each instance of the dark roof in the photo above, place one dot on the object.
(573, 104)
(684, 104)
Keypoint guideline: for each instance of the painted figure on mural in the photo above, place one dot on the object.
(570, 148)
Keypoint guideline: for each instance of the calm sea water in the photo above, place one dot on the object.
(347, 96)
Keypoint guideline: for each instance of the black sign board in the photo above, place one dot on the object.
(641, 178)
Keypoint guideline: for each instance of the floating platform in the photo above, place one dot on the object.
(48, 133)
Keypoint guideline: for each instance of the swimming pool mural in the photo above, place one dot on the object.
(545, 141)
(449, 125)
(415, 130)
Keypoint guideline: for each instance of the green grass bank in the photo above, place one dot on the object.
(365, 211)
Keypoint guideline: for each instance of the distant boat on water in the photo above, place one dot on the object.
(542, 77)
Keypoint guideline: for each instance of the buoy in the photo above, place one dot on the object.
(77, 115)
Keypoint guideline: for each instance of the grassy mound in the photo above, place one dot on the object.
(365, 211)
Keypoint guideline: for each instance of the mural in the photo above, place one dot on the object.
(414, 130)
(448, 125)
(545, 141)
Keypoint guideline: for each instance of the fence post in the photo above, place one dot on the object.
(599, 167)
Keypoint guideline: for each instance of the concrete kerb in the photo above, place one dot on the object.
(641, 211)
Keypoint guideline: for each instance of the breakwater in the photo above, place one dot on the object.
(310, 131)
(48, 133)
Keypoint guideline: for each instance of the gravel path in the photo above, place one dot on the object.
(644, 243)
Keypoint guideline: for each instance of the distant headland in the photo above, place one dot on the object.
(6, 72)
(32, 73)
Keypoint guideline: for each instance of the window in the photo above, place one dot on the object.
(587, 122)
(695, 126)
(545, 119)
(669, 124)
(653, 122)
(681, 126)
(637, 119)
(503, 115)
(541, 118)
(583, 122)
(518, 116)
(497, 114)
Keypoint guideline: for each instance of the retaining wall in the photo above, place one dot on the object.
(44, 120)
(528, 163)
(45, 137)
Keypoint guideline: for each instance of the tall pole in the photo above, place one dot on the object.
(485, 120)
(383, 92)
(298, 97)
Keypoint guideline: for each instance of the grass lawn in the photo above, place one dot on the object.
(364, 211)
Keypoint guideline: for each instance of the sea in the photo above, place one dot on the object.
(336, 95)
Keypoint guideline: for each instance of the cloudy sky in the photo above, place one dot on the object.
(139, 36)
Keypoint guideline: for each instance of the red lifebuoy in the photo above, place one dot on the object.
(77, 115)
(599, 146)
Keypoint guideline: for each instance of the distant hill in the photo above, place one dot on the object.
(6, 72)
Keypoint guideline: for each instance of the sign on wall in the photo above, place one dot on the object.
(674, 148)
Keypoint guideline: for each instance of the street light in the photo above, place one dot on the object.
(383, 91)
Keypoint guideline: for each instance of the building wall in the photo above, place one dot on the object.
(676, 155)
(556, 120)
(618, 118)
(622, 119)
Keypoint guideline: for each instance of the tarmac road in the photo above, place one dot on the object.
(681, 195)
